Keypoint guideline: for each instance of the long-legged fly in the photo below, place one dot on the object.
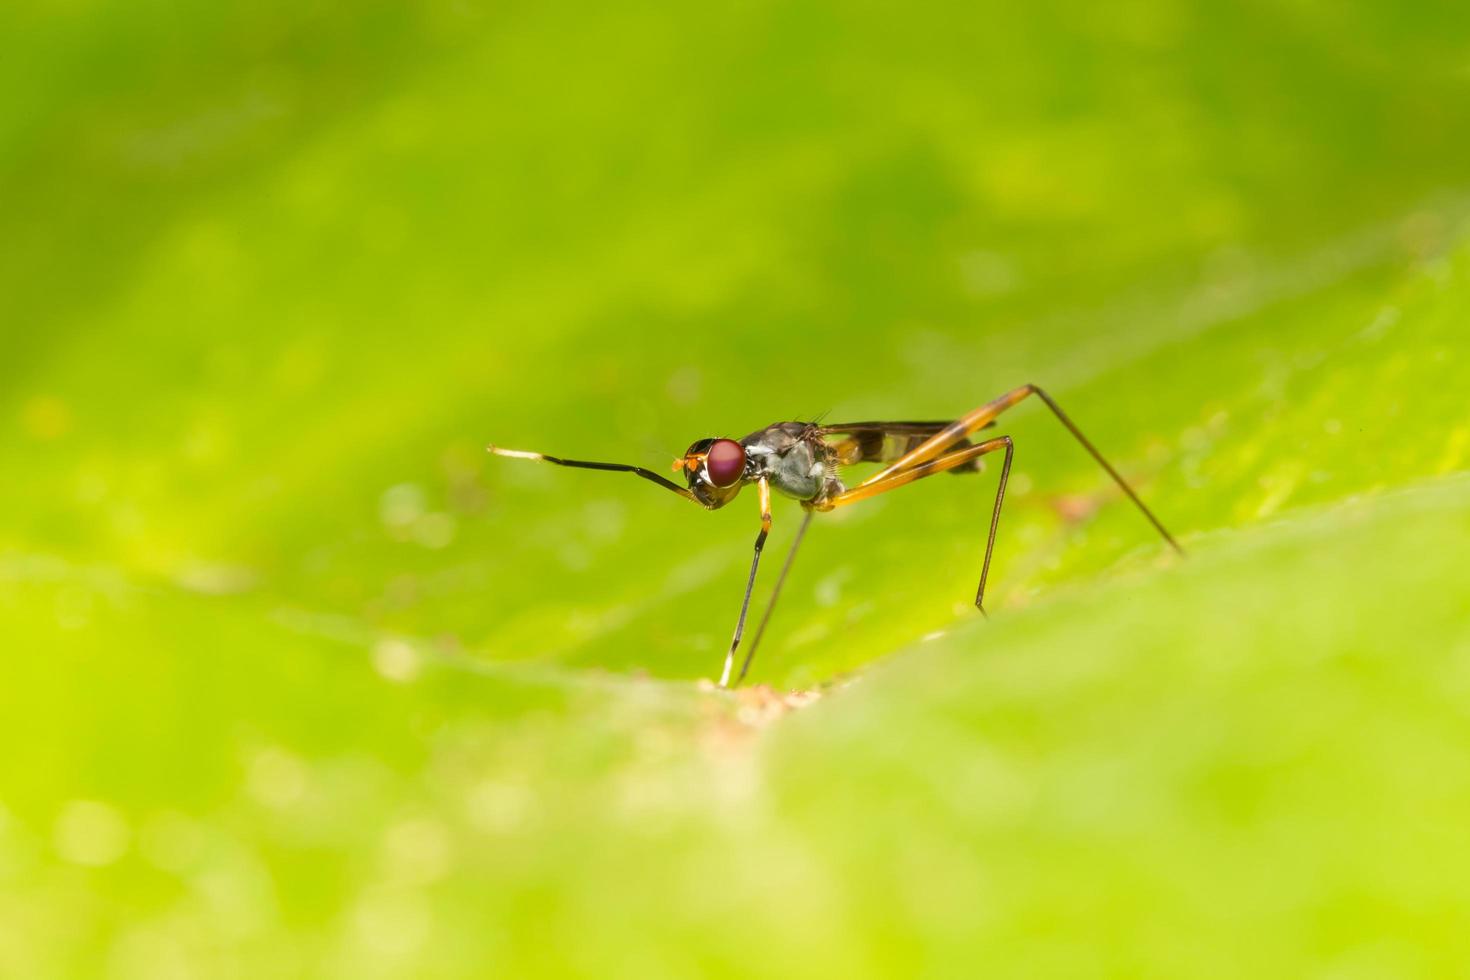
(802, 460)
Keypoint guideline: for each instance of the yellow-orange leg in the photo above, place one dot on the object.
(760, 542)
(976, 420)
(948, 461)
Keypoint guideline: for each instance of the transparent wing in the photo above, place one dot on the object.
(879, 442)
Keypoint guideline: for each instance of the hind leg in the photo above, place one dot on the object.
(941, 442)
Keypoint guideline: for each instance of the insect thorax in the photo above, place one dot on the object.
(795, 459)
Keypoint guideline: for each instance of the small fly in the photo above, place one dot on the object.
(802, 460)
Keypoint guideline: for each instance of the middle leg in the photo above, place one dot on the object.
(948, 461)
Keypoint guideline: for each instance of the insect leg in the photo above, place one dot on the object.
(760, 542)
(775, 594)
(1000, 496)
(948, 461)
(961, 428)
(983, 416)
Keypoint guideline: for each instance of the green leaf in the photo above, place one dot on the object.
(298, 681)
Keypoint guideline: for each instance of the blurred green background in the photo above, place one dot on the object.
(297, 682)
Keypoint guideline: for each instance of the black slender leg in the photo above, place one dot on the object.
(776, 594)
(755, 564)
(1098, 456)
(760, 542)
(1000, 494)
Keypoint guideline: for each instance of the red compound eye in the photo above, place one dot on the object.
(725, 463)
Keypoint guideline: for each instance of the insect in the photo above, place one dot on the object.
(803, 460)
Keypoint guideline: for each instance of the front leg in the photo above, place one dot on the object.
(760, 542)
